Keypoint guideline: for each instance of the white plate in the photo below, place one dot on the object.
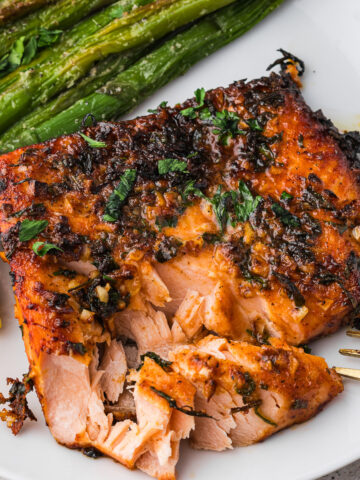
(326, 34)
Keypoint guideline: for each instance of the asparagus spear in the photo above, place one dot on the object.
(71, 38)
(61, 15)
(11, 9)
(100, 74)
(154, 70)
(140, 27)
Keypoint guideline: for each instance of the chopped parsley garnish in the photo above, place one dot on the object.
(254, 124)
(163, 222)
(119, 195)
(301, 140)
(42, 248)
(248, 387)
(226, 124)
(244, 209)
(163, 104)
(291, 289)
(199, 97)
(286, 218)
(29, 229)
(167, 165)
(263, 418)
(172, 404)
(286, 196)
(23, 51)
(164, 364)
(66, 273)
(77, 347)
(93, 143)
(242, 202)
(299, 404)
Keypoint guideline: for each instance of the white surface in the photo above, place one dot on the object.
(326, 34)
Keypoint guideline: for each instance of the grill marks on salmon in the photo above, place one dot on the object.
(215, 248)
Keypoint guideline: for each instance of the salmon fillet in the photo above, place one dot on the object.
(235, 213)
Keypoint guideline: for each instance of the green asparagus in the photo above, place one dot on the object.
(60, 15)
(71, 38)
(141, 26)
(99, 75)
(11, 9)
(154, 70)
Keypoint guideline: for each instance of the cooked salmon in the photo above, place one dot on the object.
(252, 391)
(235, 214)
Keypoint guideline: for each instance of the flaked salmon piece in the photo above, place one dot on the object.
(189, 316)
(152, 443)
(75, 414)
(252, 391)
(114, 367)
(149, 329)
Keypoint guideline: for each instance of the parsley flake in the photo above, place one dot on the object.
(226, 124)
(42, 248)
(200, 100)
(118, 196)
(167, 165)
(286, 196)
(29, 229)
(93, 143)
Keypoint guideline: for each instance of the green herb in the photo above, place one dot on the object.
(305, 347)
(172, 403)
(264, 386)
(48, 37)
(247, 406)
(29, 229)
(23, 181)
(117, 11)
(23, 51)
(266, 420)
(29, 209)
(299, 404)
(249, 203)
(254, 124)
(242, 200)
(287, 218)
(66, 273)
(163, 104)
(291, 289)
(189, 112)
(119, 195)
(199, 97)
(301, 140)
(205, 114)
(42, 248)
(167, 165)
(92, 452)
(29, 51)
(248, 387)
(227, 125)
(163, 222)
(93, 143)
(286, 196)
(164, 364)
(218, 202)
(77, 347)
